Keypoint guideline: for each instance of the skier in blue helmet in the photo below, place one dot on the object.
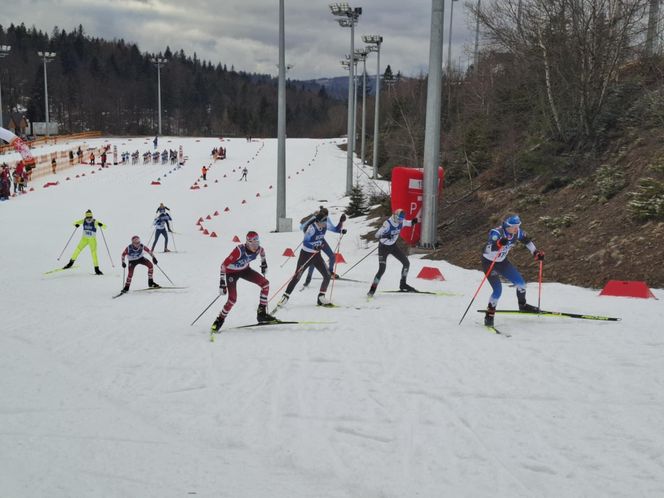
(501, 240)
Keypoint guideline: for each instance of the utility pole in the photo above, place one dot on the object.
(375, 42)
(432, 131)
(283, 224)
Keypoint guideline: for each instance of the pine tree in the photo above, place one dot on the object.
(357, 206)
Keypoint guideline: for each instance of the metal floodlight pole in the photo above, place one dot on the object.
(361, 55)
(432, 131)
(46, 57)
(374, 42)
(449, 42)
(159, 61)
(281, 121)
(349, 19)
(355, 83)
(4, 51)
(477, 36)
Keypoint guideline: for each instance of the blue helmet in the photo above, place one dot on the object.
(512, 221)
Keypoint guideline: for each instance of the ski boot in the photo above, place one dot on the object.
(68, 265)
(283, 300)
(523, 306)
(98, 271)
(489, 315)
(372, 290)
(333, 275)
(153, 285)
(217, 324)
(323, 301)
(125, 289)
(262, 315)
(404, 287)
(167, 250)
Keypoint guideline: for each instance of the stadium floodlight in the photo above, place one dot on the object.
(349, 18)
(4, 51)
(159, 61)
(46, 58)
(373, 45)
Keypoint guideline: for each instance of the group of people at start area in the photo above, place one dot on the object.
(134, 252)
(237, 265)
(315, 226)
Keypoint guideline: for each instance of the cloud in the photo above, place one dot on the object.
(244, 33)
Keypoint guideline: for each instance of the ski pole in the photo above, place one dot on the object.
(174, 246)
(68, 241)
(539, 296)
(336, 251)
(365, 257)
(486, 275)
(291, 277)
(151, 235)
(164, 273)
(123, 275)
(288, 257)
(207, 308)
(107, 249)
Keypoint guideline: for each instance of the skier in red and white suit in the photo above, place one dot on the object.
(236, 267)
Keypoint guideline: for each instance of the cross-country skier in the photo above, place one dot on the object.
(387, 236)
(134, 254)
(325, 247)
(244, 174)
(501, 240)
(314, 236)
(236, 267)
(162, 210)
(160, 229)
(89, 238)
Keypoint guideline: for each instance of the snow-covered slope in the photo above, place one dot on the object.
(118, 398)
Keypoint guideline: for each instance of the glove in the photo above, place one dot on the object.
(124, 265)
(344, 231)
(343, 218)
(539, 255)
(502, 242)
(264, 268)
(222, 286)
(154, 260)
(414, 221)
(77, 225)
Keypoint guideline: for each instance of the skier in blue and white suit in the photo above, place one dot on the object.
(387, 236)
(501, 240)
(160, 229)
(314, 235)
(325, 247)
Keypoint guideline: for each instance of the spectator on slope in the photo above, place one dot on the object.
(79, 154)
(236, 267)
(54, 165)
(92, 158)
(71, 157)
(501, 240)
(134, 254)
(5, 183)
(89, 238)
(244, 174)
(204, 171)
(387, 236)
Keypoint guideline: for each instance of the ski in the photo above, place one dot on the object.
(56, 270)
(213, 333)
(118, 295)
(558, 314)
(431, 293)
(166, 287)
(344, 279)
(494, 330)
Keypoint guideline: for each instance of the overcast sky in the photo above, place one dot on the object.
(244, 33)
